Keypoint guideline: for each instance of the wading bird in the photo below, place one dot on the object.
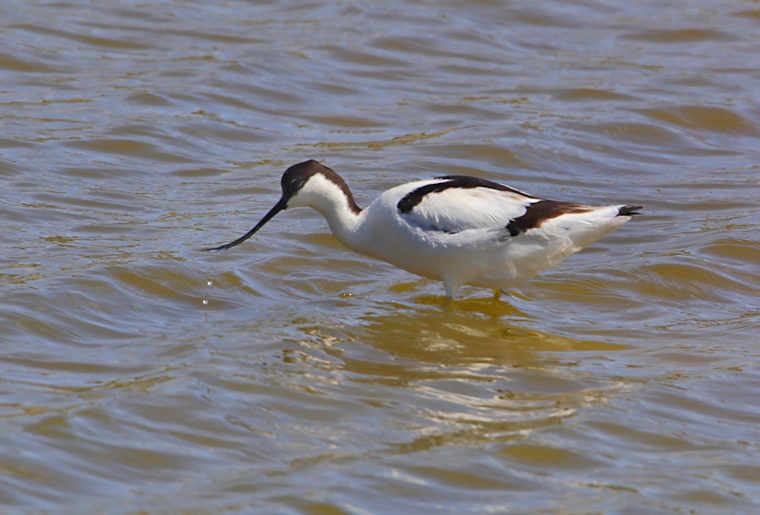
(457, 229)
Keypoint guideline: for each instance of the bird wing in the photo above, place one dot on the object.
(456, 203)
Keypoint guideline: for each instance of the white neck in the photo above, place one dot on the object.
(330, 200)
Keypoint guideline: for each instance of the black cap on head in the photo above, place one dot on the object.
(292, 181)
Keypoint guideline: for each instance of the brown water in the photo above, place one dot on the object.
(290, 375)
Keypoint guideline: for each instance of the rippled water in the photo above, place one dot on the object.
(291, 375)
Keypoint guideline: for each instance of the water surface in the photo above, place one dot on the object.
(290, 375)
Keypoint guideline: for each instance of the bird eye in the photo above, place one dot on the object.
(292, 185)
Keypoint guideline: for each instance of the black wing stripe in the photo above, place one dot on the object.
(541, 211)
(411, 199)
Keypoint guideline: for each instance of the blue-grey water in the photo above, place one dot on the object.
(289, 375)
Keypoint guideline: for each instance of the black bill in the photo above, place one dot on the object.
(282, 204)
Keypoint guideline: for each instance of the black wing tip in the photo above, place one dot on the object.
(629, 210)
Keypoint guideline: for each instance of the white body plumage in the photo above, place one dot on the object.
(457, 229)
